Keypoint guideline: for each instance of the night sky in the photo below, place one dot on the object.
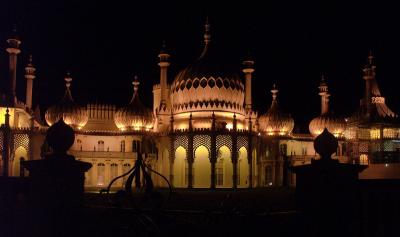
(104, 44)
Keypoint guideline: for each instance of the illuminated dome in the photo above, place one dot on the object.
(335, 125)
(276, 122)
(134, 116)
(207, 84)
(73, 114)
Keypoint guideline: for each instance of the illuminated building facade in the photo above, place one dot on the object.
(204, 132)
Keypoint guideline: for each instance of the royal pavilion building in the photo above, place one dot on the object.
(202, 128)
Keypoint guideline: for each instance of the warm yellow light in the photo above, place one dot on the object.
(229, 126)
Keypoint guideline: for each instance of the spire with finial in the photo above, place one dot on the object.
(370, 57)
(13, 41)
(163, 74)
(163, 55)
(29, 76)
(274, 92)
(323, 92)
(135, 84)
(30, 69)
(68, 79)
(207, 35)
(7, 118)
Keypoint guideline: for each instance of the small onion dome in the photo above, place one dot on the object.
(276, 122)
(73, 114)
(134, 116)
(334, 124)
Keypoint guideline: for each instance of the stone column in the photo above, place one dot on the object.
(171, 160)
(213, 158)
(250, 160)
(190, 160)
(6, 144)
(234, 152)
(234, 160)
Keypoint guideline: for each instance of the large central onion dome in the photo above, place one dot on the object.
(134, 116)
(335, 125)
(207, 84)
(276, 122)
(73, 114)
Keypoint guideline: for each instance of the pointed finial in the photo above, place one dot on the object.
(163, 47)
(207, 35)
(30, 59)
(135, 84)
(274, 91)
(322, 78)
(30, 69)
(163, 55)
(68, 79)
(14, 32)
(370, 57)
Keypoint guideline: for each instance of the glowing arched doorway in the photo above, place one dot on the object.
(163, 168)
(201, 168)
(20, 152)
(243, 169)
(224, 168)
(255, 168)
(180, 168)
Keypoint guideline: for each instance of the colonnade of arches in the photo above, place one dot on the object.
(201, 170)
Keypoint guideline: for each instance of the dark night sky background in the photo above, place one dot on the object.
(104, 44)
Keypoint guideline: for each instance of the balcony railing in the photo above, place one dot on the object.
(103, 154)
(307, 158)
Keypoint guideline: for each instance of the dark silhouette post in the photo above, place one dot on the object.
(6, 130)
(56, 186)
(326, 190)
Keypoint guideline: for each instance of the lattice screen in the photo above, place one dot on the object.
(201, 140)
(242, 142)
(224, 140)
(388, 146)
(21, 139)
(363, 147)
(181, 140)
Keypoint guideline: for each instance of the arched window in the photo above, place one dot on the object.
(100, 174)
(122, 146)
(283, 149)
(100, 145)
(113, 171)
(135, 146)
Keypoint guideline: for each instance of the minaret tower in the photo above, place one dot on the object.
(369, 75)
(29, 76)
(323, 92)
(13, 50)
(248, 69)
(164, 56)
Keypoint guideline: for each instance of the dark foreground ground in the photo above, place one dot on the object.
(196, 213)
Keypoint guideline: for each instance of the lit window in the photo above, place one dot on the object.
(122, 146)
(100, 174)
(100, 145)
(113, 171)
